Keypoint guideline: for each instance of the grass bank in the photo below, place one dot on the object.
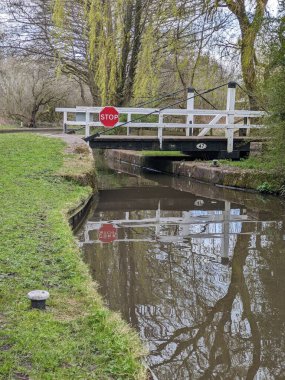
(267, 178)
(8, 126)
(255, 163)
(76, 337)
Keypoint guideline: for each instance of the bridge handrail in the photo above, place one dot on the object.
(173, 111)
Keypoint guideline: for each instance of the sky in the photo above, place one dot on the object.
(272, 7)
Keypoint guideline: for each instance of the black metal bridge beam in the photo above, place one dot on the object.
(195, 146)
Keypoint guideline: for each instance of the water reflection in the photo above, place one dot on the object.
(201, 278)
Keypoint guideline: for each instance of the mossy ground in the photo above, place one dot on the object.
(76, 337)
(266, 176)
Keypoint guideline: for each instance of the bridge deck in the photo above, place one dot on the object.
(195, 144)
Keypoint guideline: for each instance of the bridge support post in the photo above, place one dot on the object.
(87, 126)
(231, 97)
(190, 106)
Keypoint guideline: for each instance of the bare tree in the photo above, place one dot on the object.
(30, 91)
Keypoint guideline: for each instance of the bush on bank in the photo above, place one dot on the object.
(76, 337)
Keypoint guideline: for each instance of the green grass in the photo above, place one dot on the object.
(265, 176)
(9, 126)
(76, 337)
(250, 163)
(163, 153)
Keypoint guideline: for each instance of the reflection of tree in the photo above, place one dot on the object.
(164, 289)
(268, 266)
(213, 329)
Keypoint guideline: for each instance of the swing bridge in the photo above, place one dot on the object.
(222, 132)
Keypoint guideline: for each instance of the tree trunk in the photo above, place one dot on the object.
(82, 92)
(135, 52)
(248, 65)
(32, 123)
(93, 86)
(250, 27)
(125, 50)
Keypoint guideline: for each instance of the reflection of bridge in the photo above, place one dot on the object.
(206, 219)
(164, 275)
(166, 122)
(147, 198)
(187, 220)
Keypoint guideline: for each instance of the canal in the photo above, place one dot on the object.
(197, 270)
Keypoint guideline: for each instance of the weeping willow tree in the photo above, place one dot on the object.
(101, 35)
(147, 76)
(128, 42)
(113, 32)
(175, 46)
(117, 48)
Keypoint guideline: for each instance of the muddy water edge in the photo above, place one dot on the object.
(198, 271)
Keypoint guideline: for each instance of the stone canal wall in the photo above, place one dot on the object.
(202, 171)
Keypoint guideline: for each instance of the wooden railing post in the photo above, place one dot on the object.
(231, 97)
(87, 126)
(190, 106)
(160, 130)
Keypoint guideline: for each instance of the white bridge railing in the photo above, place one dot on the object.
(233, 119)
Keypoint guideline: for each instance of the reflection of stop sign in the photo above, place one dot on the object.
(109, 116)
(107, 233)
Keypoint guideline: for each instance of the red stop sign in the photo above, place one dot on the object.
(109, 116)
(108, 233)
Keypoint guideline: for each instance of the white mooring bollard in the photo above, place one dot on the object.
(38, 299)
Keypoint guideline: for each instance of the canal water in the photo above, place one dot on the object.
(198, 271)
